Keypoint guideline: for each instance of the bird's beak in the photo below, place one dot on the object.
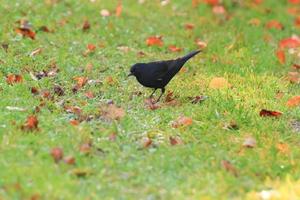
(131, 74)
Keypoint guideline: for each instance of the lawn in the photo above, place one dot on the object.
(73, 126)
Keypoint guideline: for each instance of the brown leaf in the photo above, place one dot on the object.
(45, 29)
(58, 90)
(81, 172)
(201, 44)
(268, 113)
(212, 2)
(86, 25)
(169, 97)
(57, 154)
(74, 122)
(14, 78)
(34, 91)
(198, 99)
(119, 8)
(293, 102)
(25, 29)
(218, 83)
(89, 94)
(154, 41)
(147, 142)
(31, 123)
(86, 148)
(254, 22)
(229, 167)
(175, 140)
(232, 125)
(70, 160)
(280, 56)
(249, 142)
(151, 104)
(283, 148)
(294, 77)
(81, 81)
(182, 121)
(189, 26)
(112, 112)
(274, 24)
(173, 48)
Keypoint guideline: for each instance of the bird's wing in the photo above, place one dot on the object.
(162, 68)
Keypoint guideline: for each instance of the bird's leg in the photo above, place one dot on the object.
(162, 92)
(151, 95)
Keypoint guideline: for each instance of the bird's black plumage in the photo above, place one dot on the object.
(158, 74)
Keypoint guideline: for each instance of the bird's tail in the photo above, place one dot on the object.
(190, 55)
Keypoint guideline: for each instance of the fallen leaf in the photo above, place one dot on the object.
(297, 21)
(14, 78)
(125, 49)
(274, 24)
(189, 26)
(182, 121)
(91, 47)
(296, 67)
(25, 29)
(81, 172)
(58, 90)
(198, 99)
(147, 142)
(86, 148)
(249, 142)
(31, 123)
(70, 160)
(119, 9)
(151, 104)
(293, 102)
(112, 112)
(218, 10)
(212, 2)
(268, 113)
(89, 94)
(283, 148)
(104, 13)
(81, 81)
(173, 48)
(229, 167)
(154, 41)
(294, 1)
(219, 82)
(201, 44)
(45, 29)
(35, 52)
(294, 77)
(57, 154)
(280, 56)
(74, 122)
(289, 43)
(169, 97)
(175, 140)
(86, 25)
(254, 22)
(232, 125)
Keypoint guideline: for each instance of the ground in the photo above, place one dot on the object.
(80, 129)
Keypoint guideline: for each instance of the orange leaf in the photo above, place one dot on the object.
(201, 44)
(154, 41)
(175, 140)
(89, 94)
(283, 148)
(268, 113)
(119, 9)
(189, 26)
(289, 43)
(280, 56)
(57, 154)
(31, 123)
(294, 101)
(294, 77)
(218, 10)
(81, 81)
(229, 167)
(274, 24)
(91, 47)
(219, 82)
(212, 2)
(26, 32)
(182, 121)
(297, 21)
(112, 112)
(74, 122)
(14, 78)
(173, 48)
(294, 1)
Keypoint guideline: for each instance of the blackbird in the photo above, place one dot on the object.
(158, 74)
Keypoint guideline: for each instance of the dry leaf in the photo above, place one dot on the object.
(182, 121)
(86, 25)
(198, 99)
(293, 102)
(280, 56)
(31, 123)
(86, 148)
(283, 148)
(151, 104)
(173, 48)
(229, 167)
(104, 13)
(219, 82)
(70, 160)
(254, 22)
(147, 142)
(289, 43)
(274, 24)
(154, 41)
(294, 77)
(119, 9)
(89, 94)
(189, 26)
(201, 44)
(36, 52)
(268, 113)
(175, 140)
(112, 112)
(57, 154)
(74, 122)
(14, 78)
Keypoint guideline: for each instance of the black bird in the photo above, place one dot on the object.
(158, 74)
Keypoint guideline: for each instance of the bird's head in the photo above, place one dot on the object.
(134, 70)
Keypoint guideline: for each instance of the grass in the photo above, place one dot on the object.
(123, 169)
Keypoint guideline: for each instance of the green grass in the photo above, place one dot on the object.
(126, 170)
